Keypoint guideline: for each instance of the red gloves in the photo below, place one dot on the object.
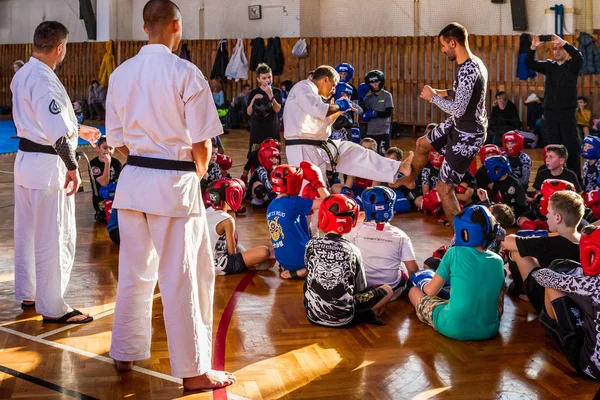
(309, 192)
(312, 174)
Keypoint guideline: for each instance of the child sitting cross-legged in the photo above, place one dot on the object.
(336, 292)
(286, 215)
(477, 276)
(387, 252)
(230, 257)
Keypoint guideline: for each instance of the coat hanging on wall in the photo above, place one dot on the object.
(591, 54)
(257, 55)
(221, 60)
(185, 52)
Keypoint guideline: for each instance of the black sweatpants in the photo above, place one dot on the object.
(561, 128)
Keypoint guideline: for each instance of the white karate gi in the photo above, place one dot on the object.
(158, 105)
(305, 117)
(44, 216)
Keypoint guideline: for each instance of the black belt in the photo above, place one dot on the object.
(159, 163)
(323, 144)
(28, 146)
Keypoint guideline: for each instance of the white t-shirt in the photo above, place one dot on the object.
(383, 252)
(218, 242)
(43, 113)
(158, 105)
(305, 113)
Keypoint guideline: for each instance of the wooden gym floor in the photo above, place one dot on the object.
(261, 333)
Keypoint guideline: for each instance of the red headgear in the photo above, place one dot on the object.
(517, 138)
(549, 187)
(264, 157)
(287, 179)
(224, 161)
(589, 253)
(338, 213)
(270, 142)
(436, 159)
(228, 191)
(489, 150)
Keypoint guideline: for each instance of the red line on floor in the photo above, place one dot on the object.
(221, 337)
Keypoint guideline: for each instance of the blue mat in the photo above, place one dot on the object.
(11, 145)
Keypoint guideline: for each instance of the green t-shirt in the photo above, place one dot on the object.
(476, 280)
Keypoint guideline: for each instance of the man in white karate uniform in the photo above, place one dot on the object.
(160, 113)
(307, 120)
(46, 177)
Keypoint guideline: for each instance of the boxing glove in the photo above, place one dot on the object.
(369, 115)
(261, 193)
(224, 162)
(460, 189)
(439, 252)
(541, 225)
(528, 225)
(343, 104)
(531, 233)
(312, 174)
(355, 135)
(422, 278)
(309, 192)
(346, 191)
(591, 198)
(431, 202)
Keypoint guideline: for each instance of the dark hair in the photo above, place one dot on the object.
(480, 218)
(583, 98)
(101, 140)
(159, 13)
(245, 85)
(325, 71)
(503, 214)
(48, 35)
(455, 31)
(20, 63)
(501, 93)
(560, 150)
(311, 72)
(94, 81)
(395, 151)
(287, 85)
(263, 69)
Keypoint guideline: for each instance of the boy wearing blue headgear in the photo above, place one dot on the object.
(387, 252)
(346, 72)
(506, 184)
(379, 106)
(345, 127)
(590, 150)
(476, 297)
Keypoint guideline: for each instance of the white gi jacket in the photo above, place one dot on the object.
(305, 113)
(163, 126)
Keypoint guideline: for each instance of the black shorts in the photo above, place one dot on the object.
(369, 298)
(567, 330)
(534, 291)
(235, 264)
(458, 148)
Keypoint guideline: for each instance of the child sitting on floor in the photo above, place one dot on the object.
(474, 309)
(387, 252)
(505, 184)
(335, 292)
(105, 170)
(286, 215)
(520, 163)
(230, 258)
(590, 150)
(260, 181)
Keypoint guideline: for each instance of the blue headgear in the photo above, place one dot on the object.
(362, 90)
(469, 233)
(378, 203)
(594, 152)
(496, 167)
(343, 87)
(348, 69)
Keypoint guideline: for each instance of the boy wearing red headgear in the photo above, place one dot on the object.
(571, 316)
(260, 181)
(230, 257)
(520, 163)
(335, 292)
(565, 211)
(286, 215)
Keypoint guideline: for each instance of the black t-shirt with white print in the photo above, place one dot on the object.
(335, 275)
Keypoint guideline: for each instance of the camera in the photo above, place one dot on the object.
(545, 38)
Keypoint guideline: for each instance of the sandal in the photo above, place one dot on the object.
(65, 319)
(293, 275)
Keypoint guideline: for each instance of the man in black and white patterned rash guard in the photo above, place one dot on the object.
(460, 137)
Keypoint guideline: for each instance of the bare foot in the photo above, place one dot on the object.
(265, 265)
(210, 380)
(124, 366)
(406, 166)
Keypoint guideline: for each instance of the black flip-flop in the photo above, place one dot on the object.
(65, 319)
(24, 306)
(294, 275)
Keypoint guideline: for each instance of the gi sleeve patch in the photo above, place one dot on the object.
(54, 107)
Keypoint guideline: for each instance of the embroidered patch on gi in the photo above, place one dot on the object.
(54, 107)
(96, 171)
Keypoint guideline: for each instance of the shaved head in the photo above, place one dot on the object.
(158, 14)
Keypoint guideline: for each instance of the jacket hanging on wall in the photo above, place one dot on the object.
(274, 55)
(221, 60)
(524, 72)
(185, 52)
(591, 54)
(238, 65)
(257, 55)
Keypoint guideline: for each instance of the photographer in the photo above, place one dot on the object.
(560, 98)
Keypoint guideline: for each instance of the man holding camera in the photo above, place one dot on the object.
(560, 97)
